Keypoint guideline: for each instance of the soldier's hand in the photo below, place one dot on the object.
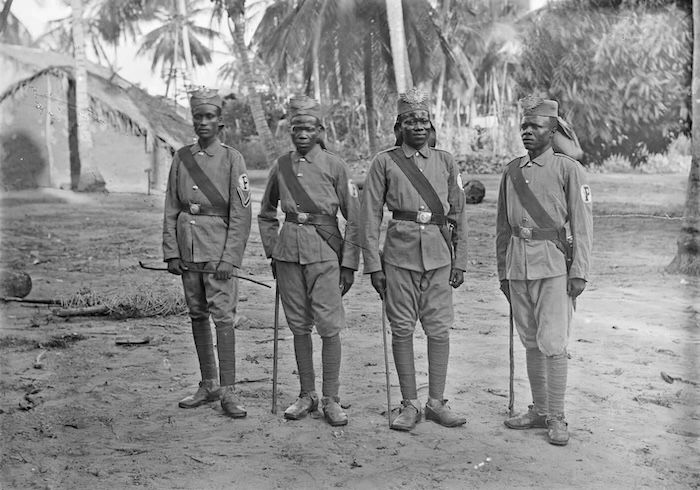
(575, 286)
(505, 289)
(379, 283)
(273, 267)
(347, 277)
(175, 266)
(456, 277)
(223, 271)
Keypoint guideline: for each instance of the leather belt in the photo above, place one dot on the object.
(422, 217)
(310, 219)
(535, 233)
(204, 210)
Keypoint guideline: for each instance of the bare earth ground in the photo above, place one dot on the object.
(101, 415)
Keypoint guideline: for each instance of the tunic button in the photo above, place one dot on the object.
(422, 227)
(529, 165)
(421, 208)
(527, 181)
(194, 187)
(200, 153)
(192, 222)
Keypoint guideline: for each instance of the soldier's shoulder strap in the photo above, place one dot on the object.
(299, 194)
(419, 181)
(200, 178)
(528, 199)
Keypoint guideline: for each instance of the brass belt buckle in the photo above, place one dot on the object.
(424, 217)
(303, 217)
(194, 208)
(525, 232)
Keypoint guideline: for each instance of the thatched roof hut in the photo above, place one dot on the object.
(134, 133)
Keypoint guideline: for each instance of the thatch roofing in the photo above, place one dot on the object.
(113, 98)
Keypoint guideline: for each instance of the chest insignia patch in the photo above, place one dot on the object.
(586, 194)
(244, 190)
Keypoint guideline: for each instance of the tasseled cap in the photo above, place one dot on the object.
(537, 106)
(413, 100)
(302, 105)
(205, 96)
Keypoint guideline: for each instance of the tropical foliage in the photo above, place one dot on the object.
(622, 75)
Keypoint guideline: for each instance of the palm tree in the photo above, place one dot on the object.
(687, 259)
(178, 37)
(235, 11)
(89, 178)
(399, 53)
(356, 50)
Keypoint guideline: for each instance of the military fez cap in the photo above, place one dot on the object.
(537, 106)
(302, 105)
(205, 96)
(413, 100)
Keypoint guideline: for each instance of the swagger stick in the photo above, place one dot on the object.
(274, 349)
(511, 396)
(203, 271)
(386, 364)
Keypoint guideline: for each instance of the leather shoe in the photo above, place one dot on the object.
(333, 412)
(208, 391)
(529, 420)
(557, 431)
(230, 405)
(409, 415)
(307, 402)
(438, 411)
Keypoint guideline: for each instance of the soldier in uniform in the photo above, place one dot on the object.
(206, 226)
(539, 193)
(418, 267)
(313, 264)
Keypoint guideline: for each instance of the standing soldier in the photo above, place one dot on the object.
(539, 193)
(422, 188)
(206, 226)
(313, 264)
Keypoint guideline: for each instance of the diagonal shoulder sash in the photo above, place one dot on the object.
(537, 212)
(426, 191)
(290, 180)
(419, 181)
(528, 199)
(200, 178)
(329, 233)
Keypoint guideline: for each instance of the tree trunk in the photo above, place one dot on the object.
(687, 260)
(315, 49)
(4, 14)
(90, 179)
(189, 67)
(369, 95)
(236, 25)
(399, 54)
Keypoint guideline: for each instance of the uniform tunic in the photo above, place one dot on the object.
(204, 241)
(536, 269)
(308, 269)
(410, 245)
(416, 255)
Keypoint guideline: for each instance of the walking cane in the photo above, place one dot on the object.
(511, 396)
(386, 364)
(274, 349)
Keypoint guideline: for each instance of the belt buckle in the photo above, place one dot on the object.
(424, 217)
(194, 208)
(302, 217)
(525, 232)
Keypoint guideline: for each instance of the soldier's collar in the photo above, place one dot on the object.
(424, 151)
(541, 160)
(311, 156)
(209, 150)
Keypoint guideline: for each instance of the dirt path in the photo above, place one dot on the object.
(101, 415)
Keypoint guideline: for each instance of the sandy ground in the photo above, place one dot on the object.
(102, 415)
